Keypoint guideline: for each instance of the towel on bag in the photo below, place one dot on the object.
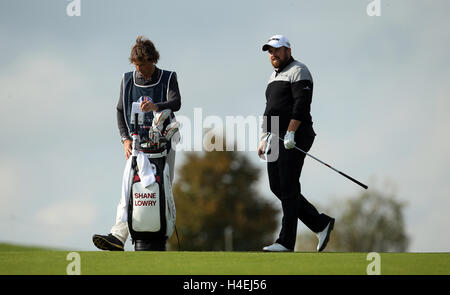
(146, 173)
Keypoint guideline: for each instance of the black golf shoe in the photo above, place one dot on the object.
(109, 242)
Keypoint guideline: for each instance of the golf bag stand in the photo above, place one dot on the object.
(151, 209)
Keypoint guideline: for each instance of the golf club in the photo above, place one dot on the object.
(342, 173)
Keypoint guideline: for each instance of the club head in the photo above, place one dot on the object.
(171, 129)
(159, 118)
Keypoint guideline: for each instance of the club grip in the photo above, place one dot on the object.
(354, 180)
(136, 118)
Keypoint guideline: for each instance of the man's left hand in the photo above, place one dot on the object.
(289, 141)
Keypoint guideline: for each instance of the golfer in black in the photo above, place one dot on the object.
(288, 97)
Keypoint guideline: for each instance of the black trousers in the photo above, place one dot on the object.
(284, 179)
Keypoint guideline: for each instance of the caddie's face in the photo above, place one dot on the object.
(279, 56)
(145, 68)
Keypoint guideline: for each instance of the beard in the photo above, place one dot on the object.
(275, 62)
(278, 62)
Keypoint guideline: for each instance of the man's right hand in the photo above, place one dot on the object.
(127, 147)
(263, 145)
(262, 148)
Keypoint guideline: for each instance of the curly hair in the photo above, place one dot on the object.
(144, 50)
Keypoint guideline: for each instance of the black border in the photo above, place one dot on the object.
(275, 284)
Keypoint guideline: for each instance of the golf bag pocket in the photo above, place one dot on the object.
(151, 209)
(147, 205)
(146, 212)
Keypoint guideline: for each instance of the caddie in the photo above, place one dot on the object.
(156, 90)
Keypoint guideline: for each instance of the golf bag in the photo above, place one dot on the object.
(151, 209)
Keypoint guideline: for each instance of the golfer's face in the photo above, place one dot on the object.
(278, 56)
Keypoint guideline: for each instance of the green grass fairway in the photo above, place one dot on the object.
(24, 261)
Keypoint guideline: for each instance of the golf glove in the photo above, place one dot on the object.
(289, 141)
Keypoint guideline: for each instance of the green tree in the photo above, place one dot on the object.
(215, 191)
(372, 221)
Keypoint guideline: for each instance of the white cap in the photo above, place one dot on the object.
(276, 41)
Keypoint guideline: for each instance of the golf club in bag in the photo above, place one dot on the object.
(151, 209)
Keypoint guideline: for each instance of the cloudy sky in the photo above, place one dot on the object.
(380, 107)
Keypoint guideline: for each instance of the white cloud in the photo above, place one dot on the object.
(68, 214)
(50, 98)
(51, 163)
(10, 181)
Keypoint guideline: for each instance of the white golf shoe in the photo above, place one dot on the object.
(324, 236)
(275, 247)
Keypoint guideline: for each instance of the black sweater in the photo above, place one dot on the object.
(288, 96)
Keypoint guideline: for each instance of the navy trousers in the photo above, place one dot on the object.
(284, 178)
